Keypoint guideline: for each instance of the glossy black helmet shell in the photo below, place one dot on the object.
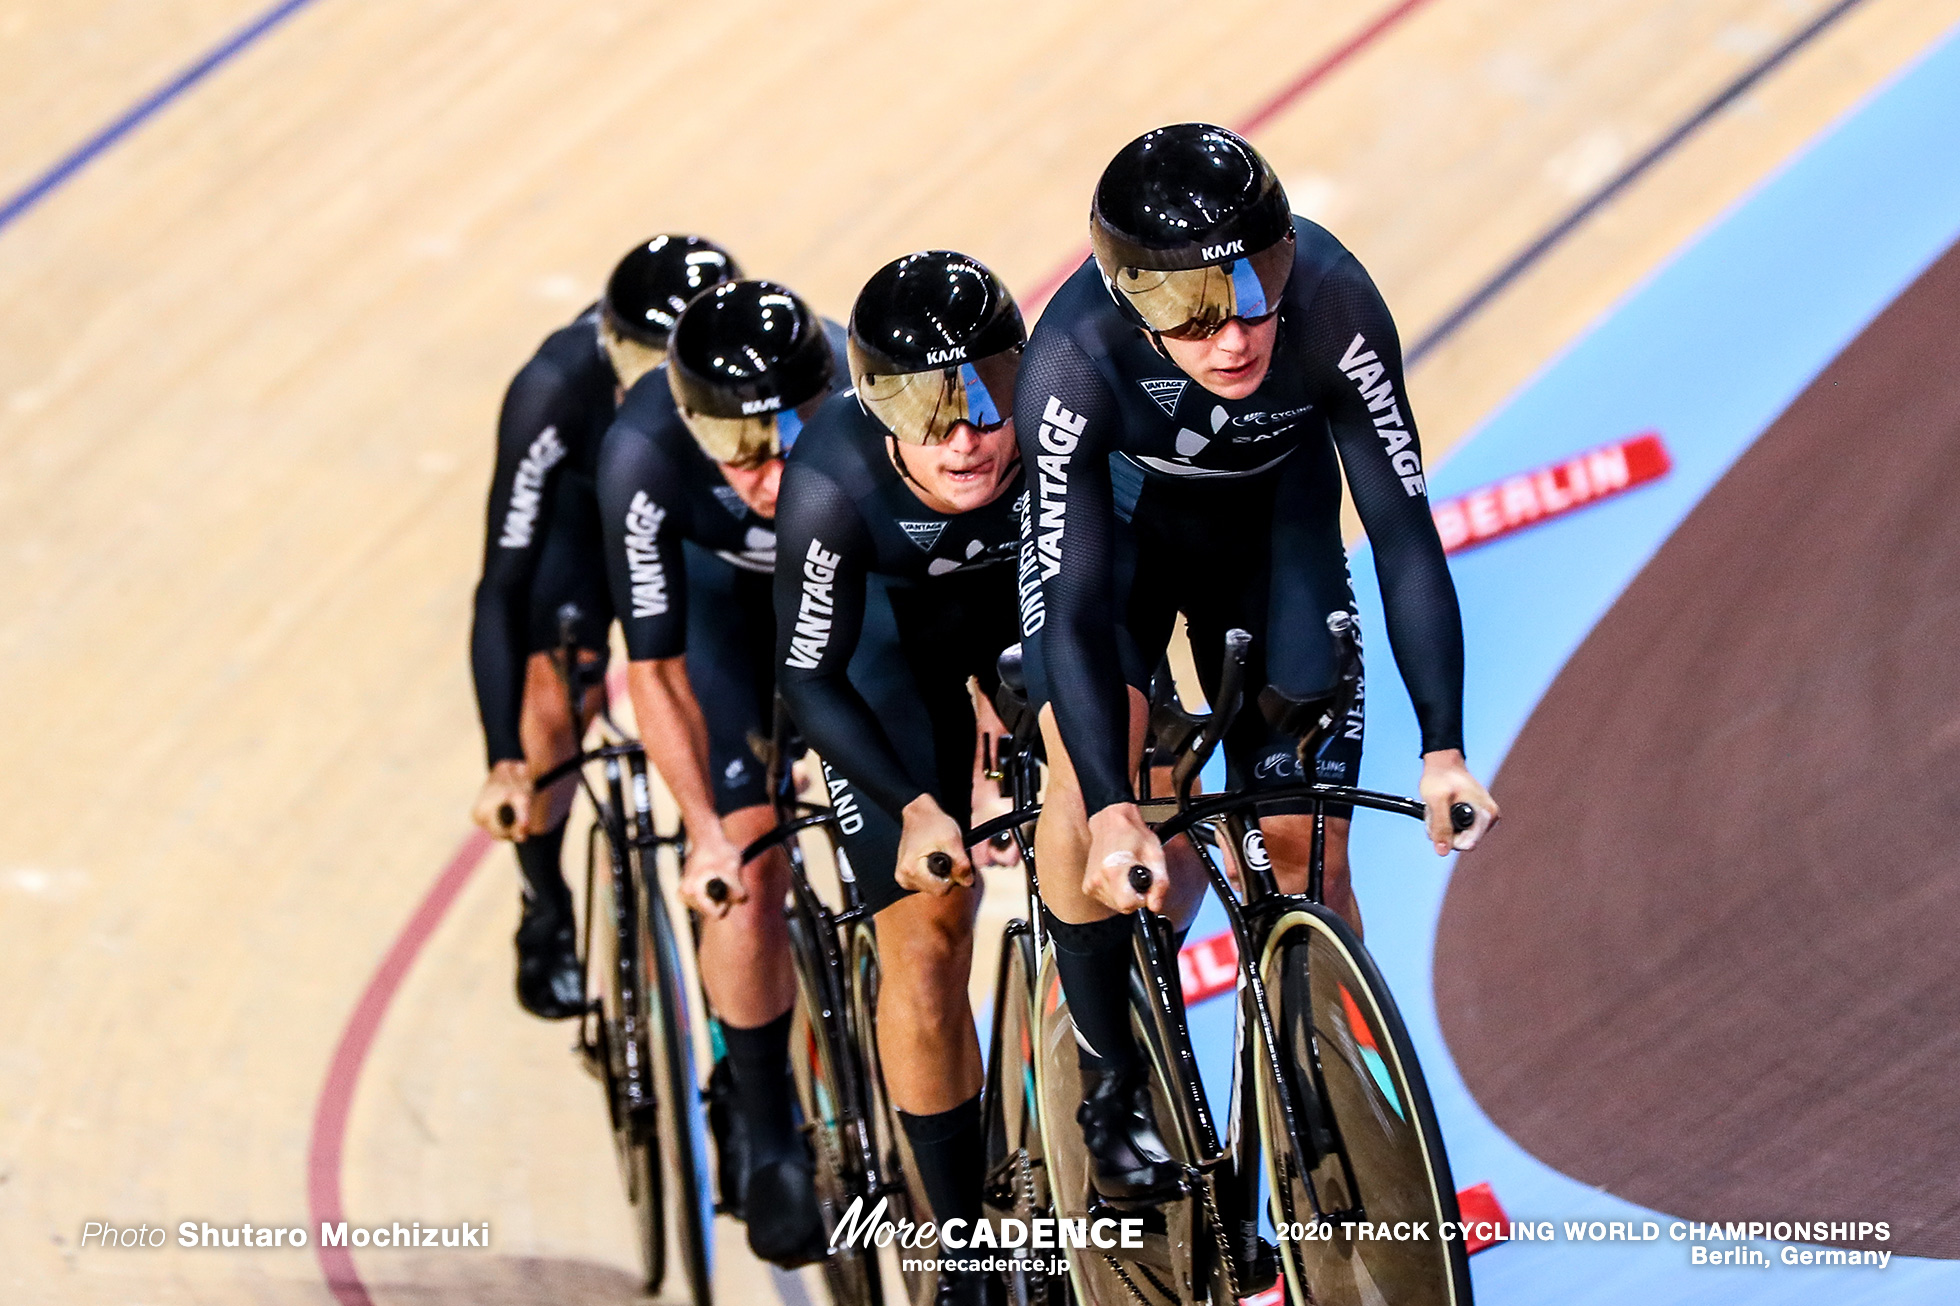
(1186, 196)
(746, 348)
(656, 280)
(932, 310)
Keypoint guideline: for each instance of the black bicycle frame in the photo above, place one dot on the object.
(826, 929)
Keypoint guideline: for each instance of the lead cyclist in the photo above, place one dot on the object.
(1185, 409)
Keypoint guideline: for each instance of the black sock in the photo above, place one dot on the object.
(952, 1159)
(540, 859)
(759, 1061)
(1094, 963)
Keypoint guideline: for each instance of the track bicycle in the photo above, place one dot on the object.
(1016, 1185)
(1327, 1091)
(636, 1035)
(1037, 1165)
(859, 1151)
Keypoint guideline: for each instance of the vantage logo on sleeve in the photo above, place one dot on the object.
(1061, 431)
(1364, 367)
(527, 489)
(643, 518)
(814, 613)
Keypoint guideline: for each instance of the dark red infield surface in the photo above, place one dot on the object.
(1711, 960)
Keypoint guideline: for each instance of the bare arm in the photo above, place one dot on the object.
(676, 740)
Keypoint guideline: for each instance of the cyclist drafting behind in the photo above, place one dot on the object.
(1181, 409)
(913, 480)
(687, 489)
(543, 549)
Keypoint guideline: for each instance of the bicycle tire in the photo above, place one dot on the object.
(1332, 1010)
(1155, 1274)
(891, 1150)
(1017, 1173)
(831, 1120)
(679, 1111)
(610, 957)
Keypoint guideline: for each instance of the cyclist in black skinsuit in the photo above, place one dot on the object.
(913, 479)
(1186, 409)
(542, 549)
(687, 494)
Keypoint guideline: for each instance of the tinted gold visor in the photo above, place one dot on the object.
(745, 441)
(924, 407)
(1192, 303)
(631, 360)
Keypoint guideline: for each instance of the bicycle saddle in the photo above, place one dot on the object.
(585, 675)
(1011, 698)
(1309, 719)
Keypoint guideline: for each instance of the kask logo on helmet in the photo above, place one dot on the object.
(936, 357)
(750, 407)
(1226, 250)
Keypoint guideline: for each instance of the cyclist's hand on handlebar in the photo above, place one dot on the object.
(1119, 840)
(1447, 785)
(931, 850)
(711, 878)
(503, 805)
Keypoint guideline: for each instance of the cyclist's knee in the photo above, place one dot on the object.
(1289, 843)
(926, 943)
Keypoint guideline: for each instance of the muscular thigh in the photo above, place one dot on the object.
(917, 652)
(731, 640)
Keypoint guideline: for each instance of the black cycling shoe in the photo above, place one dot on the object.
(1258, 1259)
(731, 1135)
(785, 1225)
(969, 1288)
(1127, 1156)
(550, 981)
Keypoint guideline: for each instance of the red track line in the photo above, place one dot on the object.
(1258, 118)
(344, 1071)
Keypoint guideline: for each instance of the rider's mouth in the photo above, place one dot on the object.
(970, 475)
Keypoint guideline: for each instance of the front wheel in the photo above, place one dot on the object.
(891, 1150)
(1348, 1130)
(832, 1121)
(615, 975)
(1017, 1171)
(680, 1115)
(1173, 1266)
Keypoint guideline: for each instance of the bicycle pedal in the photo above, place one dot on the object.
(1150, 1208)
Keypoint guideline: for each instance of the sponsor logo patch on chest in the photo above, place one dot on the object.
(1164, 391)
(925, 534)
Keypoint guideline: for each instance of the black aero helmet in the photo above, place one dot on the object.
(646, 293)
(935, 340)
(741, 360)
(1191, 228)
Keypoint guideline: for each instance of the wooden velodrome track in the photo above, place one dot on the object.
(250, 359)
